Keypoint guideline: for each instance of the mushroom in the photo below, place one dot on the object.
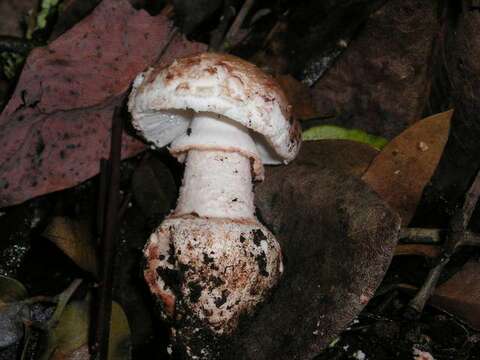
(211, 260)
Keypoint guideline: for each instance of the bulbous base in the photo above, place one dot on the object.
(208, 272)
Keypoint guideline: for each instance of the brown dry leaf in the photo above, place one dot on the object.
(431, 251)
(74, 238)
(299, 96)
(404, 167)
(460, 295)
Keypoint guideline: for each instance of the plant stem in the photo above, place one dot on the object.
(109, 241)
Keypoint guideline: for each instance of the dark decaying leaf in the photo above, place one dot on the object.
(154, 189)
(460, 295)
(459, 77)
(12, 311)
(75, 239)
(55, 128)
(319, 32)
(349, 157)
(337, 237)
(68, 340)
(404, 167)
(380, 82)
(11, 290)
(192, 13)
(299, 95)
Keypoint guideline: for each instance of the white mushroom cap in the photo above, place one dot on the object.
(163, 102)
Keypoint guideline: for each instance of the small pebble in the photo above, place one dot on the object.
(359, 355)
(422, 146)
(422, 355)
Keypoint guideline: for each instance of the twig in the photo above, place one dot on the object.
(470, 201)
(102, 333)
(422, 236)
(125, 205)
(15, 44)
(171, 36)
(455, 238)
(102, 196)
(63, 299)
(229, 41)
(435, 236)
(218, 34)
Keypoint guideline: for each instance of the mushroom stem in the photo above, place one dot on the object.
(217, 184)
(218, 171)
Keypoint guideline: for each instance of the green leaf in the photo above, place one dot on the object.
(336, 132)
(47, 7)
(70, 336)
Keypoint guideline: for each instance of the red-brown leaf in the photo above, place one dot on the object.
(55, 128)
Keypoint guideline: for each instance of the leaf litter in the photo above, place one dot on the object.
(350, 158)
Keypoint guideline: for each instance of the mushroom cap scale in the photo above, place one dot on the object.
(163, 102)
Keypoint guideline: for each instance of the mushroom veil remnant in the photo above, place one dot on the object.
(211, 260)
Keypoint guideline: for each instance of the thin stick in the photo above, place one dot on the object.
(63, 300)
(237, 24)
(456, 237)
(471, 201)
(218, 34)
(421, 235)
(125, 205)
(436, 236)
(109, 240)
(102, 196)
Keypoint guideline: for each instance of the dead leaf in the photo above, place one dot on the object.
(460, 295)
(154, 189)
(69, 339)
(75, 239)
(55, 128)
(193, 13)
(380, 83)
(337, 238)
(349, 157)
(11, 290)
(12, 311)
(299, 95)
(404, 167)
